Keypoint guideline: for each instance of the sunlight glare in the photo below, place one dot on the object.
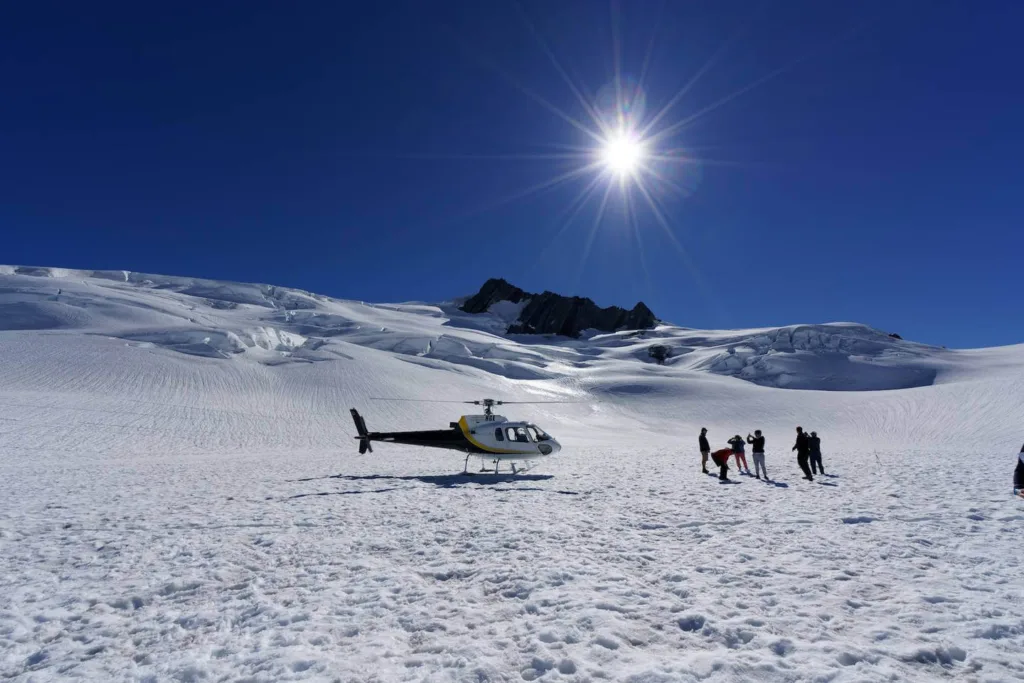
(622, 154)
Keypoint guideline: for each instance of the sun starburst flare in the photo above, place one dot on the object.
(629, 161)
(622, 154)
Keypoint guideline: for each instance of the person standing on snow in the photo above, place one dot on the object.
(757, 441)
(815, 444)
(1018, 474)
(721, 460)
(705, 449)
(737, 451)
(803, 451)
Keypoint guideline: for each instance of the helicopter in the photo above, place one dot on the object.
(488, 436)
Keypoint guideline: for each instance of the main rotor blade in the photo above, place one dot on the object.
(417, 400)
(476, 403)
(507, 402)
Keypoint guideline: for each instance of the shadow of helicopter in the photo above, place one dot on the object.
(443, 481)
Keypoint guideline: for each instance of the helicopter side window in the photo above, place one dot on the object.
(522, 436)
(499, 435)
(511, 434)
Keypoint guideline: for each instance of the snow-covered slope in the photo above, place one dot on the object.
(147, 337)
(183, 500)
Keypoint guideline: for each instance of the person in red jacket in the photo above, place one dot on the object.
(721, 458)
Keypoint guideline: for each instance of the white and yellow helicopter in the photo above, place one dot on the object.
(488, 436)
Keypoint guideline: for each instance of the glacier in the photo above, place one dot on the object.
(183, 497)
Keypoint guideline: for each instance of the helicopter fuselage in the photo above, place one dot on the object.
(490, 436)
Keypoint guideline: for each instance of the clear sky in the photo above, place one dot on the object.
(386, 151)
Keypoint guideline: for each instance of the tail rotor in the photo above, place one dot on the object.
(364, 435)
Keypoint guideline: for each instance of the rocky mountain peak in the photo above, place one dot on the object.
(551, 313)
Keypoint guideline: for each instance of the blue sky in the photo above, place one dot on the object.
(364, 151)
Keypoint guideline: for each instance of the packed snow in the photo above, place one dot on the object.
(184, 500)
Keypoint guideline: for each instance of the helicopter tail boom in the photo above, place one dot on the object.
(364, 435)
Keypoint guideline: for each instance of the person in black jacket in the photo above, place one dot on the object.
(757, 441)
(1018, 474)
(705, 449)
(803, 451)
(815, 445)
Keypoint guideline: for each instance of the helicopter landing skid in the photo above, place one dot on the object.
(495, 469)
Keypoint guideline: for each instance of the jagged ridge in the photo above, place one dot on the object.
(550, 313)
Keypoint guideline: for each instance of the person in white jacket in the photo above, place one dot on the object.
(1018, 475)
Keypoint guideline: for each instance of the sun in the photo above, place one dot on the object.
(622, 154)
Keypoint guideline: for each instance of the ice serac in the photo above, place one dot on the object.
(550, 313)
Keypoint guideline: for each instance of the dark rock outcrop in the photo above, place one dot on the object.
(493, 291)
(659, 352)
(550, 313)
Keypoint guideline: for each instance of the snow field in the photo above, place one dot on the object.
(258, 567)
(178, 507)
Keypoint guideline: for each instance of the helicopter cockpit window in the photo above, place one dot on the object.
(522, 436)
(499, 435)
(538, 434)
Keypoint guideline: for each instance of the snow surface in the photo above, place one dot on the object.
(184, 501)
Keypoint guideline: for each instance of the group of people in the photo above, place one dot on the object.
(808, 456)
(807, 447)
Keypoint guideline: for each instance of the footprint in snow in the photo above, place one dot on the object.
(858, 520)
(694, 622)
(606, 642)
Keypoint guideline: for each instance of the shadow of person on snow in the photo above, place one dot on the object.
(347, 493)
(771, 482)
